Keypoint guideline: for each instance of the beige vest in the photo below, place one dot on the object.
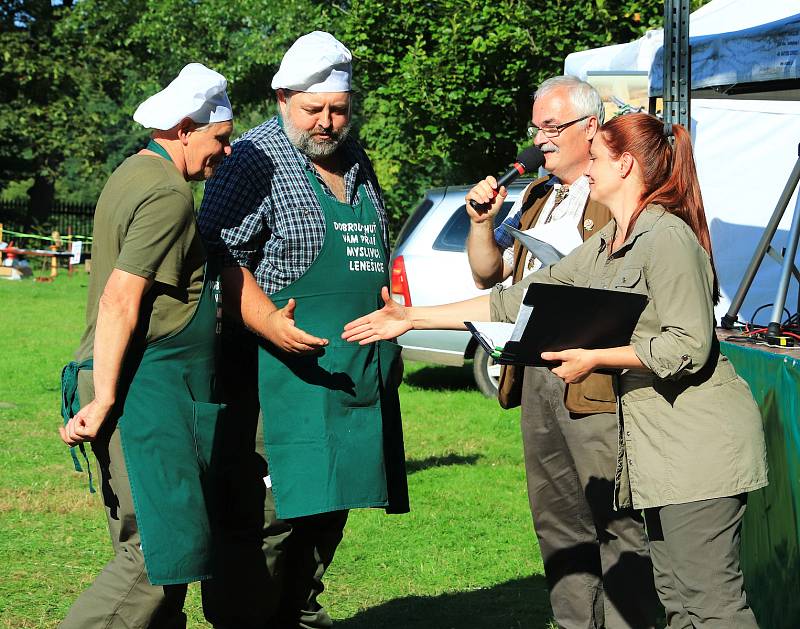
(596, 393)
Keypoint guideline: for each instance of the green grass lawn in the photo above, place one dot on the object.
(465, 557)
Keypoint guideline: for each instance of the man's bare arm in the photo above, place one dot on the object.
(117, 317)
(485, 257)
(244, 299)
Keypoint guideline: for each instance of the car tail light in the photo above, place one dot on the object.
(400, 291)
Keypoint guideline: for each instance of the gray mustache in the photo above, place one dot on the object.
(549, 148)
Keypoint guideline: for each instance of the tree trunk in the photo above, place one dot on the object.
(42, 197)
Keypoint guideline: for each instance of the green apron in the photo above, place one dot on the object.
(167, 423)
(332, 428)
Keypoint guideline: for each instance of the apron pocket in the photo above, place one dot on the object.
(353, 374)
(206, 415)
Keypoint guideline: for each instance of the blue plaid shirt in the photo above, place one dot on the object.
(259, 210)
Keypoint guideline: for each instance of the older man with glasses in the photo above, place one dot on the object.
(596, 559)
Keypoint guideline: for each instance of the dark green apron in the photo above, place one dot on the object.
(332, 429)
(167, 424)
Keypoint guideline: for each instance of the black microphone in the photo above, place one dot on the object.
(530, 159)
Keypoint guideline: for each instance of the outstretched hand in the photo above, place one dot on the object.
(284, 334)
(387, 323)
(576, 364)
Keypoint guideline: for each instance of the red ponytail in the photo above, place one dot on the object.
(669, 175)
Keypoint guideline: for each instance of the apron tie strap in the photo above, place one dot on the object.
(70, 405)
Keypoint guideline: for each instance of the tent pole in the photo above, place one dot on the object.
(677, 63)
(774, 327)
(729, 319)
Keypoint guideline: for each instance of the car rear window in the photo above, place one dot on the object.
(413, 221)
(453, 236)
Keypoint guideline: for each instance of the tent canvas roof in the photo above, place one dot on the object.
(730, 20)
(767, 52)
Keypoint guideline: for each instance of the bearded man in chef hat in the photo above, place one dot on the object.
(283, 213)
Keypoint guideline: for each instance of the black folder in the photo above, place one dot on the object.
(568, 317)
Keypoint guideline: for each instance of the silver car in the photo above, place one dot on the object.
(430, 266)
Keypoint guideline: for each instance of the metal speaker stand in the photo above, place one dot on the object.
(764, 247)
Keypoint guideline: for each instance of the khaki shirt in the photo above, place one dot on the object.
(144, 225)
(689, 428)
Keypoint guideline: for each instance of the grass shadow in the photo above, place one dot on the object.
(510, 605)
(417, 465)
(442, 378)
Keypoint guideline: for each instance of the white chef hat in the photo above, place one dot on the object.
(316, 62)
(197, 93)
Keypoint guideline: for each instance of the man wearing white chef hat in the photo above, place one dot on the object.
(297, 217)
(141, 389)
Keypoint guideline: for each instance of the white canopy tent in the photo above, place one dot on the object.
(718, 16)
(745, 144)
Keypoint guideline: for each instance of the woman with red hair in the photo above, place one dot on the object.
(691, 443)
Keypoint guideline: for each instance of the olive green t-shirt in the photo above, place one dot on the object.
(144, 224)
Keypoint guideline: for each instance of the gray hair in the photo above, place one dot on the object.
(206, 125)
(198, 126)
(585, 99)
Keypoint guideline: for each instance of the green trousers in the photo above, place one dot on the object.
(121, 596)
(695, 552)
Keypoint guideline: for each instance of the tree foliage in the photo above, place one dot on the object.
(35, 80)
(447, 84)
(443, 86)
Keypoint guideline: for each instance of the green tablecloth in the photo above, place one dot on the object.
(771, 532)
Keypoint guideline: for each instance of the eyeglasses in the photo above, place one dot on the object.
(551, 131)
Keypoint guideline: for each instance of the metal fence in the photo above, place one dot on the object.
(68, 219)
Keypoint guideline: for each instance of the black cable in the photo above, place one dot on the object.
(741, 339)
(753, 316)
(759, 309)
